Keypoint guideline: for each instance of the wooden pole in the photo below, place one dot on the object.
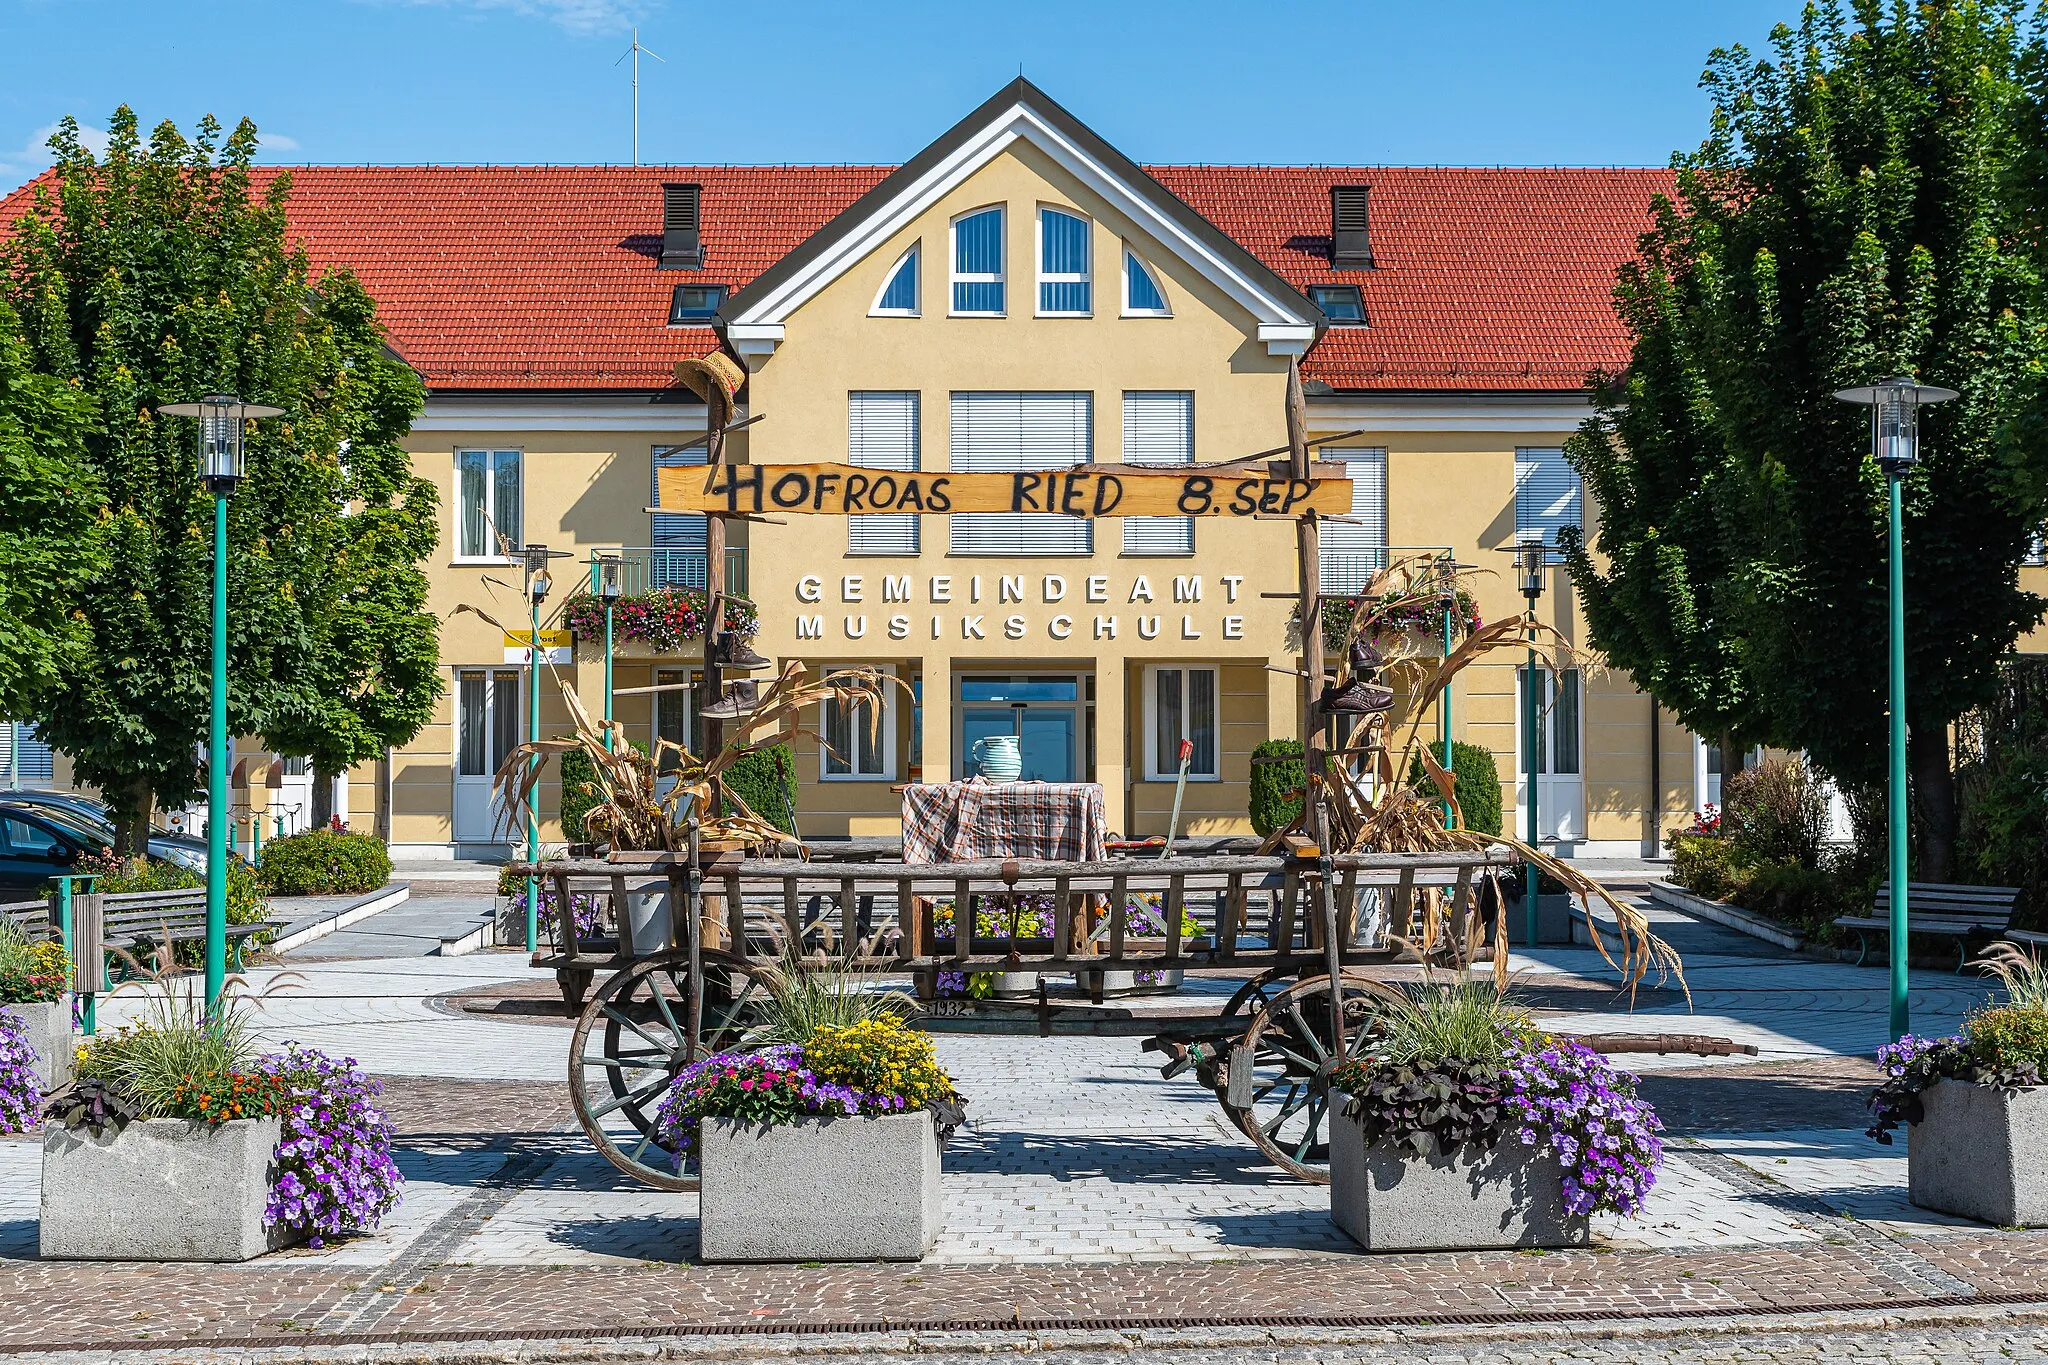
(716, 415)
(1308, 546)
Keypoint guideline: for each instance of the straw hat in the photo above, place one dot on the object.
(713, 374)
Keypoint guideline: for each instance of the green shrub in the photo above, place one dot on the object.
(2005, 829)
(578, 794)
(2010, 1036)
(1806, 898)
(1271, 782)
(1776, 812)
(325, 862)
(1476, 784)
(765, 779)
(1703, 864)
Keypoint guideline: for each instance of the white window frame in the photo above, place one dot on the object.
(913, 261)
(1345, 541)
(1022, 533)
(1170, 771)
(913, 521)
(954, 275)
(1130, 254)
(1086, 276)
(888, 738)
(1538, 526)
(491, 527)
(1136, 527)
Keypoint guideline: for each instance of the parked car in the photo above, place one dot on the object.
(41, 842)
(186, 850)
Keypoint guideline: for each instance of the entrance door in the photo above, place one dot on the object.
(1043, 712)
(294, 799)
(487, 731)
(1560, 777)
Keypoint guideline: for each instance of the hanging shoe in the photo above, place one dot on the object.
(731, 651)
(735, 699)
(1365, 658)
(1355, 697)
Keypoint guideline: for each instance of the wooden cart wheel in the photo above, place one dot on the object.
(634, 1034)
(1293, 1049)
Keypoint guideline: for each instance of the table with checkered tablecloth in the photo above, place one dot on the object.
(958, 822)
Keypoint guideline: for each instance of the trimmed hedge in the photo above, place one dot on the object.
(324, 862)
(765, 779)
(1270, 810)
(1475, 782)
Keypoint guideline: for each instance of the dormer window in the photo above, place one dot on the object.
(1340, 304)
(695, 305)
(898, 298)
(978, 264)
(1064, 286)
(1143, 298)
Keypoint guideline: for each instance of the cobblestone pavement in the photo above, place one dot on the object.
(1086, 1191)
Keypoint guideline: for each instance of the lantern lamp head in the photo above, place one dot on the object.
(1531, 558)
(1894, 419)
(608, 577)
(222, 418)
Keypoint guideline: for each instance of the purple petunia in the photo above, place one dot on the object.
(334, 1171)
(20, 1096)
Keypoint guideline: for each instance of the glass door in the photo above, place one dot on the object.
(487, 714)
(1560, 780)
(1044, 713)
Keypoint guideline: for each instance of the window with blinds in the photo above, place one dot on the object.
(1354, 551)
(678, 538)
(1003, 432)
(23, 757)
(1548, 495)
(1159, 428)
(881, 433)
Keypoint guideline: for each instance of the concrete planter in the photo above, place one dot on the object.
(845, 1189)
(1389, 1201)
(159, 1190)
(1127, 983)
(1980, 1153)
(49, 1033)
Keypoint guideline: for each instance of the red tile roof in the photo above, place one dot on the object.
(542, 277)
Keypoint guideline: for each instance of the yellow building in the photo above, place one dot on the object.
(1018, 295)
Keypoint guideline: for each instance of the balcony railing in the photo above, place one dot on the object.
(642, 568)
(1348, 572)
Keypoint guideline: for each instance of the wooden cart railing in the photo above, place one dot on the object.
(881, 913)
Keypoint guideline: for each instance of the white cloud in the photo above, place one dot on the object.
(18, 167)
(277, 142)
(578, 16)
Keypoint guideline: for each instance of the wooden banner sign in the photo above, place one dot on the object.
(844, 490)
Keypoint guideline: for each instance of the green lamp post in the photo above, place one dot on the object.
(1531, 556)
(605, 570)
(1448, 570)
(538, 585)
(221, 421)
(1895, 441)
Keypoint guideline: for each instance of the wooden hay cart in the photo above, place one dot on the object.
(1295, 928)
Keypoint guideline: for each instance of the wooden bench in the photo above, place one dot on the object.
(136, 922)
(2033, 938)
(1962, 913)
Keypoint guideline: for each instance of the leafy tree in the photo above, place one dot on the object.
(1845, 220)
(157, 275)
(49, 525)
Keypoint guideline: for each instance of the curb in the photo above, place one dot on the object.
(485, 935)
(1121, 1336)
(1728, 916)
(373, 903)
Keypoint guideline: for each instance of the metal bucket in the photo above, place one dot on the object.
(649, 927)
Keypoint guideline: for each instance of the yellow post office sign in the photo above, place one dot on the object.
(844, 490)
(557, 646)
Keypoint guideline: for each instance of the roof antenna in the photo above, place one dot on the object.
(634, 52)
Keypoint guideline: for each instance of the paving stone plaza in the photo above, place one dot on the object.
(1085, 1190)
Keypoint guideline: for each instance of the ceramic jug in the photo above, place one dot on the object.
(998, 758)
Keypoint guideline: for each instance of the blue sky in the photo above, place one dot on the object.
(1540, 82)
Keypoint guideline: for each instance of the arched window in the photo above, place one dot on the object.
(1063, 282)
(1143, 298)
(898, 298)
(978, 263)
